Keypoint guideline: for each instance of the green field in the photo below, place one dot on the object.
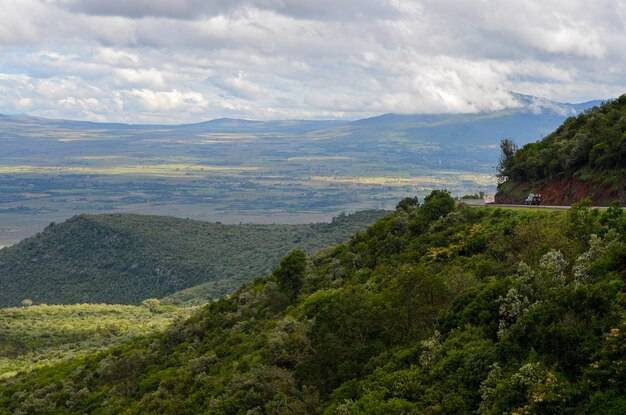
(42, 335)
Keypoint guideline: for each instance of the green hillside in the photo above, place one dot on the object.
(37, 336)
(127, 258)
(584, 157)
(434, 309)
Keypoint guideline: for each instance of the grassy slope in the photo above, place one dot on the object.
(481, 311)
(36, 336)
(127, 258)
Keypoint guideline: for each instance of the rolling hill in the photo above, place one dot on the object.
(127, 258)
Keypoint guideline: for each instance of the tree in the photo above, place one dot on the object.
(581, 219)
(437, 204)
(614, 218)
(151, 304)
(26, 302)
(407, 202)
(290, 273)
(508, 148)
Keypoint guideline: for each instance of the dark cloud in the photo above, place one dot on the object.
(194, 9)
(180, 9)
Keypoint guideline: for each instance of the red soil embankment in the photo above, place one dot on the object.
(568, 190)
(564, 191)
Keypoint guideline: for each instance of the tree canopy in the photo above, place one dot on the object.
(482, 310)
(123, 258)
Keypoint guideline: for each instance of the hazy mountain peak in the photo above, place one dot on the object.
(537, 105)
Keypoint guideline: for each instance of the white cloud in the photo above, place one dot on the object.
(444, 84)
(241, 86)
(117, 57)
(167, 100)
(190, 60)
(18, 22)
(149, 77)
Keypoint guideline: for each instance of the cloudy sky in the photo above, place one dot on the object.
(171, 61)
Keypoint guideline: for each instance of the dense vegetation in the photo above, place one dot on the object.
(595, 139)
(434, 309)
(589, 147)
(41, 335)
(128, 258)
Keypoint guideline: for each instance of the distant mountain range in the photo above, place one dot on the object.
(532, 120)
(533, 116)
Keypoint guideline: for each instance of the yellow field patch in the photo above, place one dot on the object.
(449, 179)
(316, 158)
(35, 195)
(386, 181)
(100, 158)
(167, 141)
(477, 178)
(154, 169)
(76, 136)
(70, 140)
(227, 136)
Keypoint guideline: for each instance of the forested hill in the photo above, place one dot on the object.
(584, 157)
(435, 309)
(124, 258)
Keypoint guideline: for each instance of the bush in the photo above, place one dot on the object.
(290, 273)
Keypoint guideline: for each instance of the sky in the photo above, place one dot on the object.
(158, 61)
